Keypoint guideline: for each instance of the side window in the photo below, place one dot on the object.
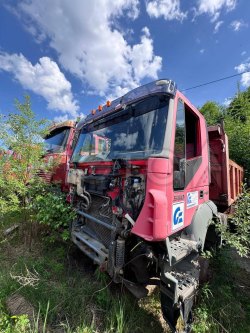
(187, 149)
(179, 148)
(193, 139)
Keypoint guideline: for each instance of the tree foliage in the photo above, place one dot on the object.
(236, 118)
(239, 108)
(23, 193)
(212, 112)
(237, 125)
(239, 143)
(21, 154)
(240, 223)
(53, 211)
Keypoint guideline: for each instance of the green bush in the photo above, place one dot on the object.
(237, 232)
(52, 210)
(223, 304)
(22, 150)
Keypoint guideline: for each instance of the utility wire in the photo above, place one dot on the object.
(210, 82)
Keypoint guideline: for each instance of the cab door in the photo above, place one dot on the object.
(190, 164)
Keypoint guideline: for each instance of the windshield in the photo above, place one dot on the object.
(135, 132)
(56, 141)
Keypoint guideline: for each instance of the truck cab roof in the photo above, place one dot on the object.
(167, 86)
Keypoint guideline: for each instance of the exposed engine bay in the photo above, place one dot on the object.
(108, 205)
(108, 201)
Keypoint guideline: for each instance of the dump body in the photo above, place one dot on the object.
(226, 175)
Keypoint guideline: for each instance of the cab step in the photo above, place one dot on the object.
(90, 246)
(179, 285)
(179, 248)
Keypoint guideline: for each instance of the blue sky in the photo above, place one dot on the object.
(70, 56)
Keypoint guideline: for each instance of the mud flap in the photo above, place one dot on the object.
(178, 316)
(178, 288)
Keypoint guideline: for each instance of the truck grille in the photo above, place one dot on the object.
(102, 211)
(47, 176)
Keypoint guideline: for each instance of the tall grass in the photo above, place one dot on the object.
(70, 293)
(224, 302)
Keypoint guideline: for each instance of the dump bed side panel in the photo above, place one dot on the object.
(236, 179)
(226, 175)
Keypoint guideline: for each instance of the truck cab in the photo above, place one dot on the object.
(142, 195)
(58, 147)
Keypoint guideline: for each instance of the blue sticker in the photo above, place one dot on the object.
(178, 218)
(192, 199)
(178, 215)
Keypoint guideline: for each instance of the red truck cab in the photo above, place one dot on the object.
(58, 146)
(146, 179)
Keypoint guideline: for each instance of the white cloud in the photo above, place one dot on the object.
(169, 9)
(227, 101)
(243, 53)
(143, 61)
(214, 7)
(242, 67)
(134, 10)
(118, 7)
(238, 25)
(245, 78)
(215, 17)
(217, 26)
(146, 31)
(65, 117)
(44, 78)
(88, 43)
(202, 51)
(62, 118)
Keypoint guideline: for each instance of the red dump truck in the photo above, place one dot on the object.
(58, 145)
(146, 195)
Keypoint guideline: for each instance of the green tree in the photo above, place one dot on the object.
(239, 108)
(212, 112)
(237, 125)
(240, 221)
(21, 133)
(24, 195)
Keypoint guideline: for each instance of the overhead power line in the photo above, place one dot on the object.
(214, 81)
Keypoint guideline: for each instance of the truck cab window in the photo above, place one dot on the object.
(55, 142)
(193, 144)
(187, 145)
(179, 148)
(192, 134)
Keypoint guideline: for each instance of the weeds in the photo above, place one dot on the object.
(53, 211)
(15, 324)
(70, 296)
(80, 300)
(223, 306)
(118, 321)
(237, 232)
